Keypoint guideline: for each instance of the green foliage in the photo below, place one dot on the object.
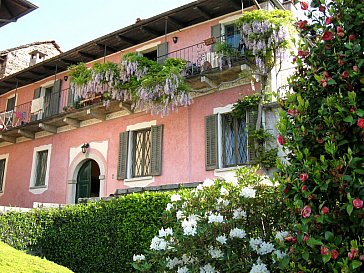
(222, 208)
(12, 260)
(225, 49)
(322, 132)
(93, 237)
(79, 74)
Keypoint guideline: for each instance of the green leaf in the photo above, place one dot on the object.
(359, 112)
(349, 119)
(331, 82)
(355, 264)
(306, 255)
(329, 236)
(313, 242)
(326, 258)
(349, 208)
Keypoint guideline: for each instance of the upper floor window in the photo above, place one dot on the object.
(228, 142)
(140, 152)
(2, 172)
(155, 52)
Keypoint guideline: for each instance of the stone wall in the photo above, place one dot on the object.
(19, 58)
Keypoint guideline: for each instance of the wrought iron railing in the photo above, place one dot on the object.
(215, 52)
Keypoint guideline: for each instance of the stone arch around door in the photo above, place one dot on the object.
(75, 167)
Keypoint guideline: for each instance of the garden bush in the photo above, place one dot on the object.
(93, 237)
(322, 132)
(222, 226)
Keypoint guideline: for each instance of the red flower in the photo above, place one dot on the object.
(324, 83)
(340, 62)
(328, 20)
(361, 257)
(281, 140)
(345, 74)
(322, 8)
(328, 36)
(341, 34)
(334, 254)
(325, 210)
(358, 203)
(304, 188)
(306, 211)
(302, 24)
(350, 256)
(325, 74)
(303, 177)
(324, 250)
(355, 68)
(294, 240)
(351, 37)
(304, 5)
(294, 59)
(339, 29)
(361, 125)
(320, 140)
(305, 238)
(302, 53)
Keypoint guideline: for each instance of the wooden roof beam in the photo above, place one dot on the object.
(108, 48)
(36, 73)
(70, 62)
(151, 31)
(87, 55)
(203, 12)
(236, 5)
(49, 67)
(127, 40)
(175, 22)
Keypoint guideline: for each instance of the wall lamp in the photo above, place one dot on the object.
(65, 78)
(175, 39)
(84, 147)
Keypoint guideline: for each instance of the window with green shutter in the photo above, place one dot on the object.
(227, 140)
(140, 153)
(41, 168)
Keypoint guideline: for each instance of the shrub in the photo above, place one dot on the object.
(93, 237)
(222, 226)
(322, 132)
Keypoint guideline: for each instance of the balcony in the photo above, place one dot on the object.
(213, 61)
(53, 113)
(208, 63)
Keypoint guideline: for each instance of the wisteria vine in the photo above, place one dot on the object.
(145, 83)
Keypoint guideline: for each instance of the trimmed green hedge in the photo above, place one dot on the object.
(93, 237)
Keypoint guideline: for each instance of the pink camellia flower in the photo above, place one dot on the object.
(351, 37)
(350, 256)
(361, 125)
(326, 74)
(324, 83)
(304, 188)
(361, 257)
(358, 203)
(341, 34)
(328, 36)
(345, 74)
(294, 59)
(339, 29)
(306, 211)
(355, 68)
(328, 20)
(324, 250)
(302, 53)
(334, 254)
(303, 177)
(304, 5)
(325, 210)
(302, 24)
(294, 240)
(340, 62)
(281, 140)
(305, 237)
(322, 8)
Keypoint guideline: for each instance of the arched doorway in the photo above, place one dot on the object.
(88, 181)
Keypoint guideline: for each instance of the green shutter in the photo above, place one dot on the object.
(2, 172)
(54, 102)
(123, 155)
(211, 142)
(35, 96)
(156, 150)
(162, 51)
(215, 32)
(252, 121)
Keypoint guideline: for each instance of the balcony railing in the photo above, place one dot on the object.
(212, 53)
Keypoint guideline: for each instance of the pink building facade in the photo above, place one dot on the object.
(51, 152)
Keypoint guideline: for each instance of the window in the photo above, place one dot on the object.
(140, 152)
(40, 167)
(228, 143)
(155, 52)
(2, 173)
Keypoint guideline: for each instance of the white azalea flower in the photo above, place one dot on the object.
(239, 213)
(224, 191)
(182, 269)
(247, 192)
(171, 263)
(265, 248)
(280, 235)
(175, 197)
(221, 239)
(255, 243)
(215, 253)
(138, 258)
(165, 232)
(237, 233)
(208, 268)
(259, 267)
(208, 183)
(169, 207)
(158, 244)
(215, 218)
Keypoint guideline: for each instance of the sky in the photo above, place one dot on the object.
(74, 22)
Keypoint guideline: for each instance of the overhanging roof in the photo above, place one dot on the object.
(12, 10)
(142, 31)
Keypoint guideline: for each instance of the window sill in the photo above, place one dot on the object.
(228, 169)
(136, 179)
(139, 181)
(38, 187)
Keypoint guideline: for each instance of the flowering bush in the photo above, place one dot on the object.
(321, 130)
(144, 83)
(222, 226)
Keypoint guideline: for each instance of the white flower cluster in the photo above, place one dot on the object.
(237, 233)
(189, 225)
(259, 267)
(182, 269)
(280, 235)
(239, 214)
(138, 258)
(171, 263)
(247, 192)
(165, 232)
(215, 218)
(158, 244)
(175, 197)
(221, 239)
(261, 247)
(215, 253)
(208, 268)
